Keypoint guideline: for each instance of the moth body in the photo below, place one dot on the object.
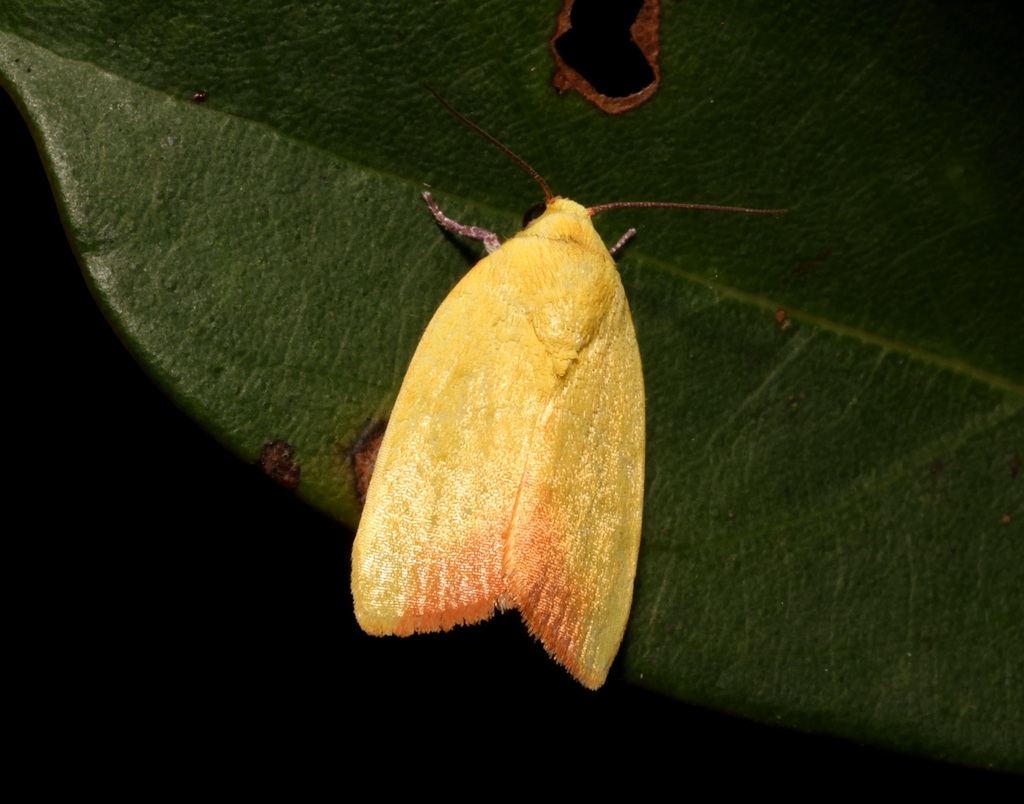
(511, 472)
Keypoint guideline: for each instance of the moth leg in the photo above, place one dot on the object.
(623, 240)
(490, 239)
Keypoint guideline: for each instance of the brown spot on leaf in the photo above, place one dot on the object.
(1015, 463)
(783, 320)
(277, 462)
(608, 52)
(1005, 519)
(363, 457)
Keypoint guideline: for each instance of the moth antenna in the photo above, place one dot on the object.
(548, 195)
(710, 207)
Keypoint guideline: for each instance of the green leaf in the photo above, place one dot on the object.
(832, 535)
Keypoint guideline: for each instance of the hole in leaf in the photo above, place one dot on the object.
(608, 53)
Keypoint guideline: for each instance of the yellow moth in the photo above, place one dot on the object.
(511, 474)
